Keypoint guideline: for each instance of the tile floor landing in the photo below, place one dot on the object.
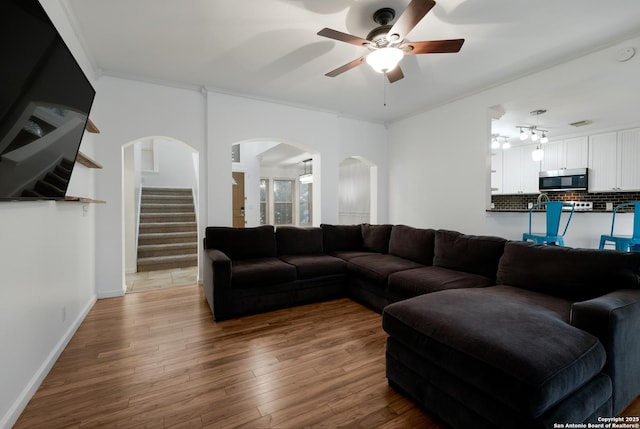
(149, 280)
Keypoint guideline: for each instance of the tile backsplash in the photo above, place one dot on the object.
(599, 199)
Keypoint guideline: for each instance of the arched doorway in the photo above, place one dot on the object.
(357, 191)
(280, 180)
(160, 206)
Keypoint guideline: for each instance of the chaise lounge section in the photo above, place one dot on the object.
(553, 342)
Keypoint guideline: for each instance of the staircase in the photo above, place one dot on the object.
(167, 234)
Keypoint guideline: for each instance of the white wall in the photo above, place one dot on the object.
(234, 119)
(439, 159)
(48, 271)
(174, 166)
(126, 111)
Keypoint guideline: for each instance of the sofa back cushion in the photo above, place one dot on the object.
(291, 240)
(573, 274)
(375, 238)
(341, 237)
(242, 243)
(411, 243)
(474, 254)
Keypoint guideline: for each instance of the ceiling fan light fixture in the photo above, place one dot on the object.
(384, 60)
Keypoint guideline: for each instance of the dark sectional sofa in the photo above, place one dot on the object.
(483, 332)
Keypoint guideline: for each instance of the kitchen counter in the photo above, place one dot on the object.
(542, 211)
(584, 231)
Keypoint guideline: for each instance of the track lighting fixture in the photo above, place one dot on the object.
(533, 130)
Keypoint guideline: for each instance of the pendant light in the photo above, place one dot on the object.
(306, 177)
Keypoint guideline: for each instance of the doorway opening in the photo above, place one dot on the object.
(160, 209)
(280, 184)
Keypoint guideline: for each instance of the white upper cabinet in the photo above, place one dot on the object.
(576, 152)
(519, 171)
(563, 154)
(629, 159)
(603, 170)
(614, 160)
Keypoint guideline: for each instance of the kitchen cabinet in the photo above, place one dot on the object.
(519, 171)
(613, 161)
(629, 159)
(564, 154)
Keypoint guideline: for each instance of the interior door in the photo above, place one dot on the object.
(238, 200)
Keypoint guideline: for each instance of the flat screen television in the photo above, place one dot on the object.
(45, 99)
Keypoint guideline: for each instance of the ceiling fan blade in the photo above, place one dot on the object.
(416, 10)
(432, 47)
(395, 74)
(346, 67)
(343, 37)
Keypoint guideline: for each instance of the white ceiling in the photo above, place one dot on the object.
(269, 48)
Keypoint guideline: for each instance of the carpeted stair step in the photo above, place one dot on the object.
(166, 227)
(166, 208)
(166, 199)
(174, 249)
(168, 238)
(167, 262)
(167, 217)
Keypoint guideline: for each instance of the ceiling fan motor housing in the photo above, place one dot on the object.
(379, 34)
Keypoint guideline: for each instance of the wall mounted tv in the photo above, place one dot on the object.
(45, 100)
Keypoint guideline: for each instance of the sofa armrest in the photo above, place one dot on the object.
(217, 281)
(615, 319)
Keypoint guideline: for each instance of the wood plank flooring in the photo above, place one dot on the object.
(158, 360)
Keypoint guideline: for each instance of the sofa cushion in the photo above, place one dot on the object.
(341, 237)
(409, 283)
(291, 240)
(375, 238)
(347, 255)
(470, 253)
(574, 274)
(411, 243)
(378, 267)
(260, 272)
(310, 266)
(512, 344)
(242, 243)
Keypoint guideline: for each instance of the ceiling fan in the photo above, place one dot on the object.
(387, 44)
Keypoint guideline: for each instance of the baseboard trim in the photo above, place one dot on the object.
(21, 402)
(111, 293)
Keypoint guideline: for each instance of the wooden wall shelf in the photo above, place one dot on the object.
(91, 127)
(72, 199)
(87, 161)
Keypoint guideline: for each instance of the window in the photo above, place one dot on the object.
(264, 201)
(283, 202)
(305, 208)
(235, 153)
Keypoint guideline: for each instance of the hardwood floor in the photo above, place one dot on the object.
(157, 360)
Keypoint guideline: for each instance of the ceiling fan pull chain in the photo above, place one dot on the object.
(384, 88)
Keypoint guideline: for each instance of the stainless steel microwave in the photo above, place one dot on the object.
(570, 179)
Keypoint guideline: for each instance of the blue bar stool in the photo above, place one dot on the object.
(554, 213)
(625, 243)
